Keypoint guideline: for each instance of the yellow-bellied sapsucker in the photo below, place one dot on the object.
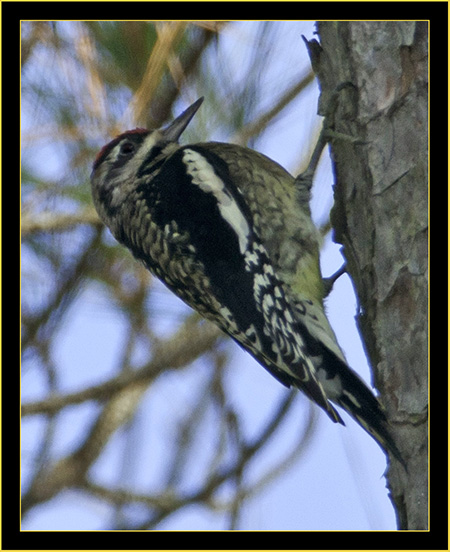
(229, 232)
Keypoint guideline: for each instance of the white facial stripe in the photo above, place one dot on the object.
(206, 179)
(127, 173)
(150, 140)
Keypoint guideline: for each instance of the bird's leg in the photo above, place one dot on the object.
(330, 281)
(305, 179)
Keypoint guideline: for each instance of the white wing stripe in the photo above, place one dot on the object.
(206, 179)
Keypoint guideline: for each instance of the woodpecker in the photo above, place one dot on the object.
(229, 231)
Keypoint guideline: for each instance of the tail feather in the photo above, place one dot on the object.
(310, 389)
(361, 404)
(374, 422)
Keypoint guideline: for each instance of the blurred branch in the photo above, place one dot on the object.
(168, 502)
(38, 326)
(169, 34)
(298, 449)
(255, 128)
(55, 222)
(88, 56)
(215, 480)
(213, 26)
(189, 342)
(124, 394)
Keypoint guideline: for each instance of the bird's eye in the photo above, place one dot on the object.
(126, 148)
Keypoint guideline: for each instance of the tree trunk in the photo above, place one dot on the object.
(374, 86)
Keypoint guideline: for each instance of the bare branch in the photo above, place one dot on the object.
(54, 222)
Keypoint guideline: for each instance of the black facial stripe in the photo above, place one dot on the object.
(150, 163)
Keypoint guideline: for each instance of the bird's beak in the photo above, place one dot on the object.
(176, 128)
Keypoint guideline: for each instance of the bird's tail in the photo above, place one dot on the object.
(363, 406)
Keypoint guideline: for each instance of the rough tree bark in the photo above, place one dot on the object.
(378, 74)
